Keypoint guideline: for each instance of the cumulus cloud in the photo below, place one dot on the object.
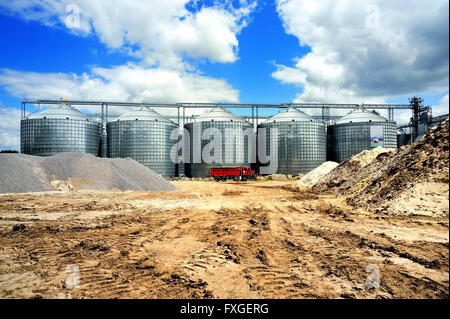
(121, 83)
(442, 107)
(366, 52)
(131, 83)
(167, 37)
(9, 128)
(160, 32)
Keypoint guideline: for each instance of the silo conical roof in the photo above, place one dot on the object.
(290, 115)
(361, 116)
(60, 111)
(219, 114)
(144, 114)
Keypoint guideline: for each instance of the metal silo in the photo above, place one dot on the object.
(358, 131)
(226, 123)
(301, 141)
(59, 129)
(143, 135)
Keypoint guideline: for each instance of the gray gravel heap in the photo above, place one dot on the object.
(22, 173)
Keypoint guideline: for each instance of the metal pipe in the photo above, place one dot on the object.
(253, 117)
(232, 105)
(324, 106)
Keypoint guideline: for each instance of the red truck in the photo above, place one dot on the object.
(242, 173)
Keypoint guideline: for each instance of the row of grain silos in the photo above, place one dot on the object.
(144, 135)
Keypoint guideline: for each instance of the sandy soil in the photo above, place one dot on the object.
(216, 240)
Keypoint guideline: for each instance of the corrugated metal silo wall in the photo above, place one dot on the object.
(147, 142)
(46, 137)
(353, 138)
(103, 143)
(204, 169)
(302, 146)
(179, 167)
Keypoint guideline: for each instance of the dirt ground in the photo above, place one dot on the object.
(258, 239)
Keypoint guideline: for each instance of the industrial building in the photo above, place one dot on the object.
(301, 141)
(304, 141)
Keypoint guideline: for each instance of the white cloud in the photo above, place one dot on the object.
(160, 32)
(164, 35)
(129, 83)
(442, 107)
(9, 128)
(366, 51)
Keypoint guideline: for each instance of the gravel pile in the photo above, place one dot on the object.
(22, 173)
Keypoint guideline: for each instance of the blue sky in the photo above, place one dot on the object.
(44, 49)
(261, 43)
(240, 51)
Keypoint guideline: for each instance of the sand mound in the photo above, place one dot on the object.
(67, 171)
(351, 173)
(316, 174)
(412, 180)
(366, 157)
(424, 162)
(276, 177)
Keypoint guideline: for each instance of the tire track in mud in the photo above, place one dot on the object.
(347, 263)
(281, 247)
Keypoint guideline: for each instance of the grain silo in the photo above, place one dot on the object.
(358, 131)
(301, 141)
(234, 146)
(61, 128)
(143, 135)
